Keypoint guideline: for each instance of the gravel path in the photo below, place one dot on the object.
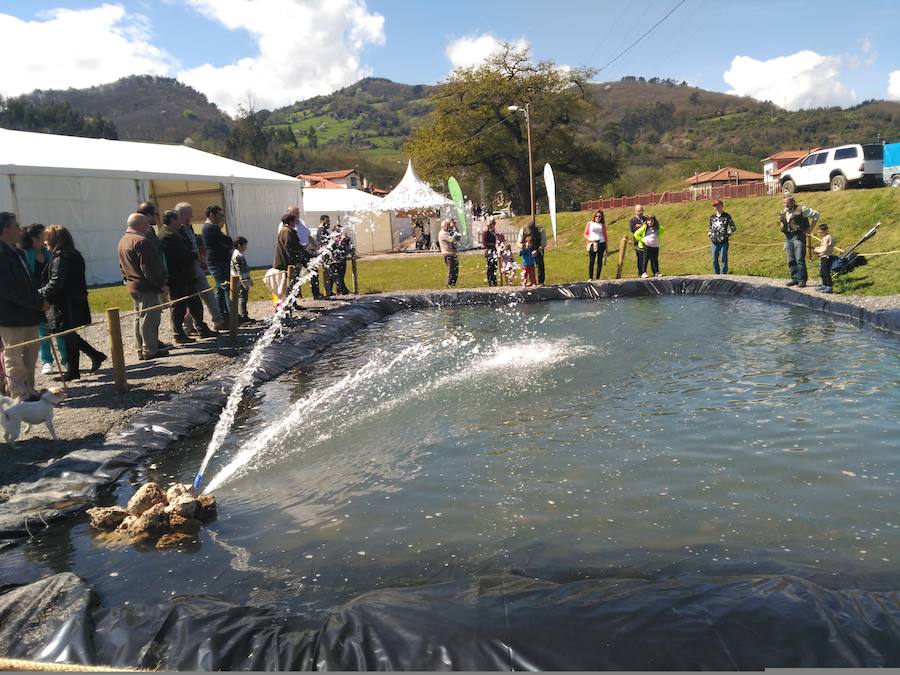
(93, 408)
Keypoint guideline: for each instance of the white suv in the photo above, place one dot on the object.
(837, 168)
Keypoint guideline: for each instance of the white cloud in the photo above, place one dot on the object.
(473, 50)
(802, 80)
(893, 91)
(306, 48)
(77, 48)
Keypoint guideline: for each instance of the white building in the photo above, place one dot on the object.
(91, 186)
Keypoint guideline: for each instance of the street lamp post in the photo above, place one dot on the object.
(527, 111)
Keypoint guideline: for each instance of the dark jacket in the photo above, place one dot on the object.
(180, 258)
(287, 248)
(323, 234)
(218, 245)
(634, 225)
(20, 303)
(141, 264)
(721, 227)
(65, 288)
(533, 231)
(342, 248)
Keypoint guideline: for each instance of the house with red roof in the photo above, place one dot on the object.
(728, 175)
(332, 180)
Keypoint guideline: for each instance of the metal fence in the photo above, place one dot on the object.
(759, 189)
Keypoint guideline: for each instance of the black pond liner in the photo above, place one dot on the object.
(494, 622)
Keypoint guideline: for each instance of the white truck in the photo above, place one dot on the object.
(837, 168)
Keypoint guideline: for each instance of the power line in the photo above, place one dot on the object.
(485, 130)
(627, 33)
(650, 30)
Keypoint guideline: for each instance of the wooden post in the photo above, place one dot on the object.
(116, 351)
(623, 245)
(354, 272)
(62, 378)
(809, 246)
(233, 314)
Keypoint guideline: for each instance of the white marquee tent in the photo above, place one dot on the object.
(92, 185)
(412, 195)
(358, 210)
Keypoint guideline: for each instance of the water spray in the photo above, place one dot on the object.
(245, 377)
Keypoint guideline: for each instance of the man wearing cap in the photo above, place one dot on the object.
(721, 226)
(795, 222)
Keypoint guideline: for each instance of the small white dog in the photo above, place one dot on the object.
(12, 417)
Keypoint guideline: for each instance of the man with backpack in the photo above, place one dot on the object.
(721, 226)
(795, 223)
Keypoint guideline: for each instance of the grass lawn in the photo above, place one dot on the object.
(755, 248)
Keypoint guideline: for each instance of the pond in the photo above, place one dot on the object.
(629, 437)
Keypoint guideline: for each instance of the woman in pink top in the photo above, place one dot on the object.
(595, 235)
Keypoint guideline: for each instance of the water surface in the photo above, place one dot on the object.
(648, 436)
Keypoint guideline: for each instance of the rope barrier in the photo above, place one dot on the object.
(873, 255)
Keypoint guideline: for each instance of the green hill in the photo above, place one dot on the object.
(146, 108)
(375, 114)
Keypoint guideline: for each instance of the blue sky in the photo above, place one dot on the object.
(271, 52)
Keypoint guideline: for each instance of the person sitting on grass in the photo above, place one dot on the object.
(824, 251)
(527, 255)
(240, 268)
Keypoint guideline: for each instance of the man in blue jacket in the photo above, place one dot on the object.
(21, 310)
(219, 249)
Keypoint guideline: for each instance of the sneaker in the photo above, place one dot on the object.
(163, 345)
(246, 320)
(47, 369)
(792, 282)
(644, 275)
(220, 326)
(819, 287)
(827, 289)
(184, 339)
(205, 332)
(802, 284)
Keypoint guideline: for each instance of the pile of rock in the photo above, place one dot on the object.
(171, 517)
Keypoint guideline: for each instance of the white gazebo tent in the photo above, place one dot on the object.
(411, 196)
(362, 213)
(91, 186)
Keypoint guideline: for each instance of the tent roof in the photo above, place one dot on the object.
(25, 152)
(345, 201)
(413, 193)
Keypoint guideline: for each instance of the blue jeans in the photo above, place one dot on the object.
(796, 257)
(720, 250)
(221, 275)
(47, 350)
